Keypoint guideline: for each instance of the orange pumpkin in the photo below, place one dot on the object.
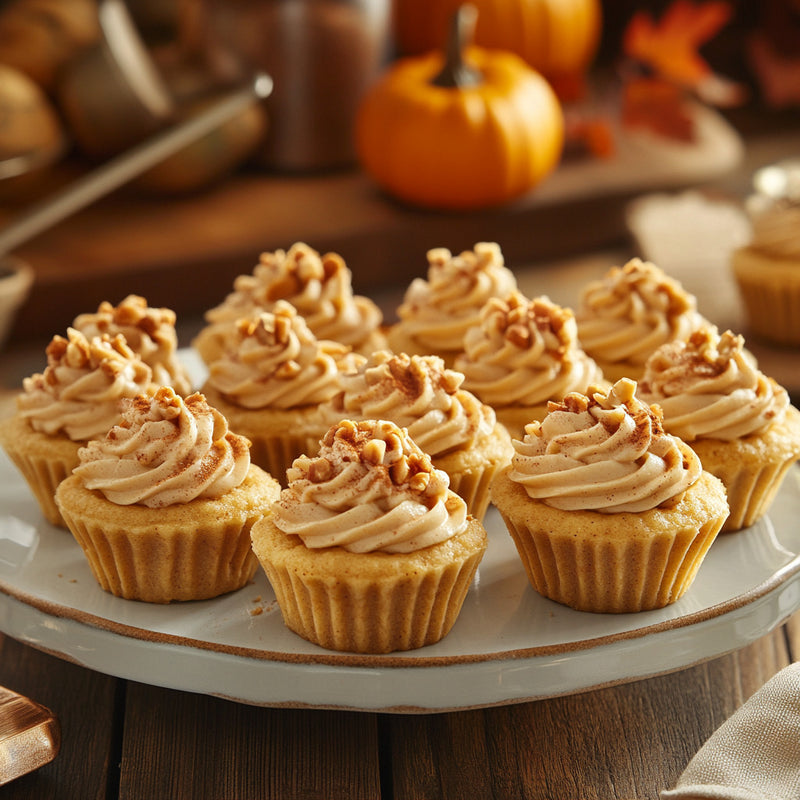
(558, 38)
(473, 130)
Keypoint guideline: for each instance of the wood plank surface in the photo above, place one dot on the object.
(87, 706)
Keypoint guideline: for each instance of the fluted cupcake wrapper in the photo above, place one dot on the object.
(43, 461)
(473, 487)
(381, 610)
(177, 553)
(275, 453)
(611, 576)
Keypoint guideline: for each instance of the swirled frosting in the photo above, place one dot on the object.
(633, 310)
(525, 352)
(150, 332)
(79, 392)
(166, 450)
(370, 489)
(775, 225)
(438, 311)
(319, 287)
(418, 393)
(606, 452)
(709, 388)
(274, 360)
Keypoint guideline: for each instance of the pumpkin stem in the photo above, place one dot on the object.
(456, 73)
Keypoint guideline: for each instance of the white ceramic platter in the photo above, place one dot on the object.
(508, 645)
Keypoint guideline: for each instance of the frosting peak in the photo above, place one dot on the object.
(79, 391)
(603, 451)
(633, 310)
(165, 450)
(418, 393)
(709, 388)
(524, 352)
(274, 360)
(370, 488)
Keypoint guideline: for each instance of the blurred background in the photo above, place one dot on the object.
(654, 96)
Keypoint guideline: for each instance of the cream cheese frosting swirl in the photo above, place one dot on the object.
(275, 361)
(319, 287)
(708, 387)
(633, 310)
(166, 450)
(370, 489)
(438, 311)
(775, 225)
(79, 392)
(150, 332)
(418, 393)
(525, 352)
(606, 452)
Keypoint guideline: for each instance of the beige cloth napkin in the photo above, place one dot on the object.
(755, 754)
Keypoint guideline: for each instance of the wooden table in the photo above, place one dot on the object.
(127, 740)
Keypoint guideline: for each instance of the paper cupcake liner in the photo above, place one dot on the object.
(473, 488)
(182, 552)
(770, 292)
(384, 607)
(43, 461)
(275, 453)
(618, 574)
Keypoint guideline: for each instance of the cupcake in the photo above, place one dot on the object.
(271, 382)
(162, 506)
(368, 550)
(522, 354)
(738, 421)
(631, 311)
(436, 312)
(451, 425)
(149, 332)
(75, 399)
(608, 512)
(319, 287)
(767, 269)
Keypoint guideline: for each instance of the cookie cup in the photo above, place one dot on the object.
(613, 563)
(369, 602)
(189, 551)
(472, 471)
(770, 290)
(752, 468)
(44, 460)
(277, 436)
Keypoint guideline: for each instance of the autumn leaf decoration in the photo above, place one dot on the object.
(671, 67)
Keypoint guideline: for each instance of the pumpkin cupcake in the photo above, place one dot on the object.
(319, 287)
(368, 550)
(436, 312)
(272, 382)
(767, 269)
(522, 354)
(623, 317)
(149, 332)
(608, 512)
(458, 431)
(738, 421)
(162, 506)
(75, 399)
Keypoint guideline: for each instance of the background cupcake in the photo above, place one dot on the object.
(459, 432)
(271, 382)
(522, 354)
(149, 332)
(436, 312)
(737, 420)
(319, 287)
(607, 511)
(75, 399)
(367, 549)
(163, 505)
(767, 269)
(623, 317)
